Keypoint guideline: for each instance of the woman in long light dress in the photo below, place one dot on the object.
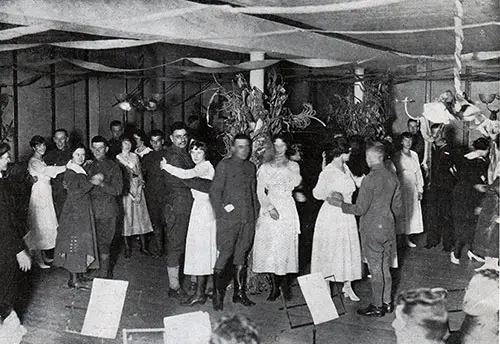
(136, 217)
(412, 188)
(276, 243)
(201, 249)
(336, 249)
(42, 219)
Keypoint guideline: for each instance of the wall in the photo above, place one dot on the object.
(85, 103)
(417, 90)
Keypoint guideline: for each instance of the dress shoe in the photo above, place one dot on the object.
(472, 256)
(349, 293)
(194, 300)
(388, 307)
(371, 311)
(240, 296)
(78, 285)
(240, 279)
(410, 243)
(179, 294)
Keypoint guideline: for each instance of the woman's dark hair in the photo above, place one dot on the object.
(340, 145)
(481, 143)
(296, 148)
(286, 139)
(406, 135)
(4, 148)
(76, 146)
(37, 140)
(198, 145)
(142, 135)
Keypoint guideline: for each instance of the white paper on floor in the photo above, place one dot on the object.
(105, 308)
(188, 328)
(317, 294)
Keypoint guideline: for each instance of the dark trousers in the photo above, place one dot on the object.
(234, 239)
(441, 222)
(10, 273)
(105, 232)
(378, 254)
(175, 234)
(155, 209)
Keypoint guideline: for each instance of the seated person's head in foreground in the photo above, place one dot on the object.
(421, 316)
(235, 329)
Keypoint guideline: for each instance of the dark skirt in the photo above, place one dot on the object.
(76, 245)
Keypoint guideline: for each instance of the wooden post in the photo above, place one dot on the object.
(465, 128)
(359, 72)
(164, 110)
(257, 75)
(53, 93)
(15, 106)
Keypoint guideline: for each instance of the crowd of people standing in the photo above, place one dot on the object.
(206, 219)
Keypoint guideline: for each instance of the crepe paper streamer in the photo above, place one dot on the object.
(23, 31)
(459, 37)
(88, 45)
(345, 6)
(103, 44)
(406, 31)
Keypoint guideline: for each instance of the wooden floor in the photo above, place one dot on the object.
(146, 304)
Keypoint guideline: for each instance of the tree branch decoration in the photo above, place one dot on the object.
(260, 115)
(7, 130)
(368, 117)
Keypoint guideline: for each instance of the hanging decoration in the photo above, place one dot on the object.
(368, 117)
(260, 115)
(7, 130)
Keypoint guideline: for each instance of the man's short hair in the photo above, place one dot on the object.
(235, 329)
(435, 126)
(60, 130)
(156, 132)
(412, 120)
(178, 126)
(100, 139)
(115, 123)
(241, 136)
(377, 148)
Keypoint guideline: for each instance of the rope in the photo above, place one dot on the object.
(459, 37)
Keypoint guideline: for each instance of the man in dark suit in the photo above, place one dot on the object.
(104, 203)
(234, 199)
(378, 203)
(442, 181)
(58, 157)
(114, 144)
(178, 204)
(155, 189)
(13, 255)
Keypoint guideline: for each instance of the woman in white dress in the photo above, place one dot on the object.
(136, 217)
(201, 249)
(412, 188)
(276, 242)
(336, 251)
(42, 219)
(140, 139)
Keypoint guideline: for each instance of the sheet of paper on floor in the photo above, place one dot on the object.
(105, 308)
(317, 295)
(187, 328)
